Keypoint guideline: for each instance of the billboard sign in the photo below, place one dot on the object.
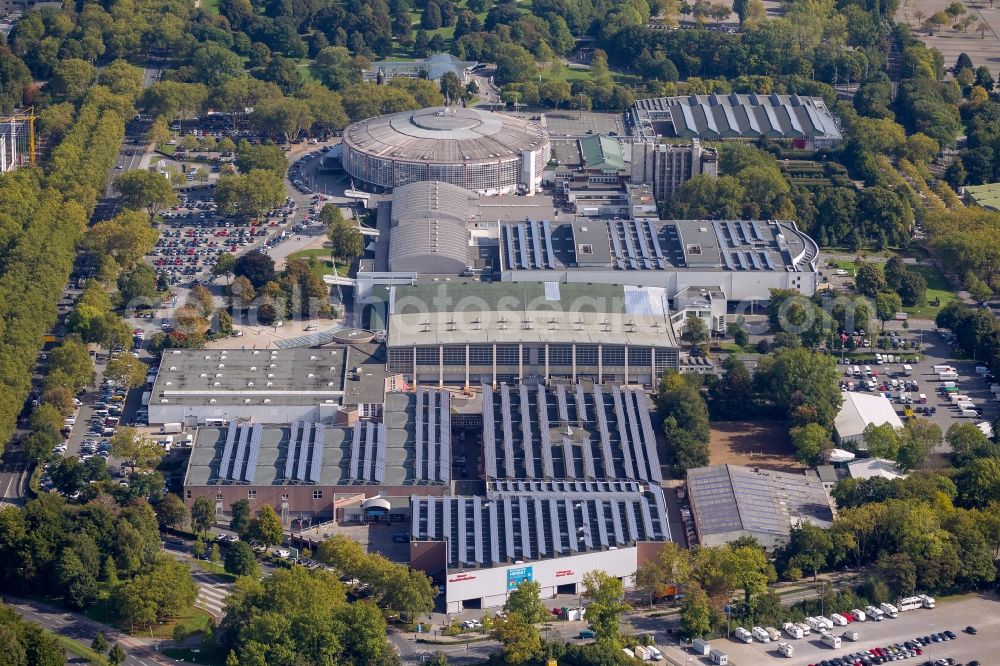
(516, 575)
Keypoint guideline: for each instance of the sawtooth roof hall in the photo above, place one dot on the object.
(734, 116)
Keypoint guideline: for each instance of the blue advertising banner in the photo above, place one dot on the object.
(517, 574)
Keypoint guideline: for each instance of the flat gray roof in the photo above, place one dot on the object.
(250, 376)
(459, 313)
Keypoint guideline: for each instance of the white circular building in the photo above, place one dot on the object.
(485, 152)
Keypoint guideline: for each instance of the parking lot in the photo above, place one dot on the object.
(951, 614)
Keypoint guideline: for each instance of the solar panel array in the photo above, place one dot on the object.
(535, 520)
(568, 431)
(240, 452)
(227, 451)
(304, 455)
(635, 245)
(528, 245)
(432, 435)
(251, 469)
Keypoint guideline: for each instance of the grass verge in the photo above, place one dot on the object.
(938, 291)
(215, 570)
(79, 649)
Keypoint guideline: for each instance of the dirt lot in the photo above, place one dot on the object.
(981, 45)
(758, 443)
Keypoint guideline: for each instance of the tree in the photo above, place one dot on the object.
(240, 515)
(145, 189)
(431, 18)
(606, 594)
(663, 576)
(810, 442)
(913, 289)
(128, 444)
(886, 307)
(61, 398)
(225, 265)
(452, 88)
(241, 560)
(256, 267)
(266, 156)
(801, 383)
(70, 366)
(519, 639)
(882, 441)
(694, 331)
(526, 601)
(100, 643)
(117, 655)
(809, 546)
(346, 240)
(71, 78)
(126, 370)
(285, 117)
(265, 526)
(242, 293)
(171, 511)
(202, 515)
(919, 437)
(870, 280)
(137, 286)
(684, 415)
(250, 194)
(696, 613)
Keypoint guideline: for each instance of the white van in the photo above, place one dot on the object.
(879, 360)
(856, 371)
(743, 635)
(760, 635)
(971, 413)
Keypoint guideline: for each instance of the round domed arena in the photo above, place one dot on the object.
(482, 151)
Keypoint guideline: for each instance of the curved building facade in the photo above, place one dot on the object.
(485, 152)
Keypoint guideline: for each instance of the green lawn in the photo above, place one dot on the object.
(167, 149)
(216, 570)
(193, 620)
(937, 291)
(78, 649)
(319, 261)
(304, 71)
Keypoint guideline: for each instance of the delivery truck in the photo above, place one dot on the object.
(171, 428)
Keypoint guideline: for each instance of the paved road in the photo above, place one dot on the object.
(140, 651)
(13, 482)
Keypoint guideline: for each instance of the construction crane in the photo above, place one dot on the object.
(14, 141)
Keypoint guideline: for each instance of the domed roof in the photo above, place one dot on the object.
(450, 135)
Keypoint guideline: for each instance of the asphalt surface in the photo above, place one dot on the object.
(140, 651)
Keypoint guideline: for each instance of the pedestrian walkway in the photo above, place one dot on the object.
(212, 593)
